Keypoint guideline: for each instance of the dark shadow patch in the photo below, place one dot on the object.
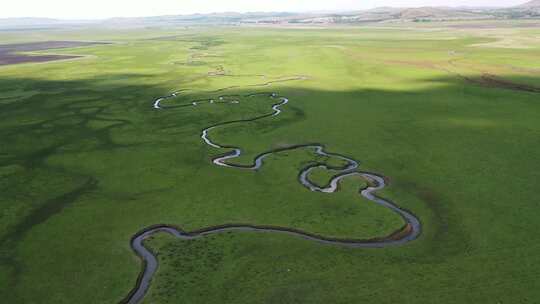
(48, 210)
(449, 237)
(38, 216)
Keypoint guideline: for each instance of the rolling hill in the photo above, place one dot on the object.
(529, 10)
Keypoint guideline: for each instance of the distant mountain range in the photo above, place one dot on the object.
(529, 10)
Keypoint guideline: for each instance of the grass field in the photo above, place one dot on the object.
(86, 162)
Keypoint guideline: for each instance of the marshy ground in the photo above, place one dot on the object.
(86, 162)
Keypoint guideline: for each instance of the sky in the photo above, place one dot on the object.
(98, 9)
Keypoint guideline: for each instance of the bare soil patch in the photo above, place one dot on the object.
(11, 53)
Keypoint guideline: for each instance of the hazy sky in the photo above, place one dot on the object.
(92, 9)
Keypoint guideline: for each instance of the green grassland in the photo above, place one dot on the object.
(86, 162)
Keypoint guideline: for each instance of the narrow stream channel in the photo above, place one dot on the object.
(409, 232)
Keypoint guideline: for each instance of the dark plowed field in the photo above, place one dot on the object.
(11, 53)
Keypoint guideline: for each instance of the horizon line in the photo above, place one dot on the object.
(265, 12)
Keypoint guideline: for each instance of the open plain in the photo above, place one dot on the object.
(243, 150)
